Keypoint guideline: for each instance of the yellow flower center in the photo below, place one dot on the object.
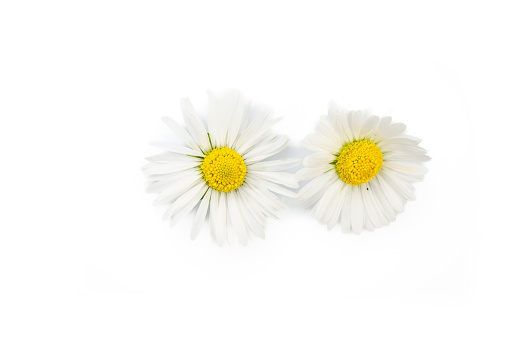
(358, 162)
(223, 169)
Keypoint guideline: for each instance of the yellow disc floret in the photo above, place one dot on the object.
(358, 162)
(223, 169)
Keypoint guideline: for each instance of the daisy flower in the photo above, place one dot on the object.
(362, 171)
(222, 170)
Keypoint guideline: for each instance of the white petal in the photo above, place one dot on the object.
(269, 149)
(309, 194)
(345, 215)
(347, 133)
(334, 107)
(356, 123)
(214, 208)
(260, 124)
(182, 209)
(251, 215)
(216, 125)
(401, 186)
(176, 189)
(357, 211)
(177, 149)
(407, 149)
(277, 189)
(157, 186)
(275, 165)
(369, 125)
(392, 196)
(268, 203)
(372, 208)
(281, 178)
(257, 139)
(236, 218)
(270, 198)
(395, 129)
(173, 177)
(243, 124)
(384, 123)
(404, 157)
(308, 173)
(168, 168)
(339, 120)
(317, 142)
(403, 140)
(199, 219)
(167, 158)
(195, 124)
(235, 103)
(324, 208)
(253, 201)
(186, 198)
(318, 160)
(339, 204)
(380, 199)
(325, 128)
(181, 132)
(368, 223)
(407, 168)
(221, 220)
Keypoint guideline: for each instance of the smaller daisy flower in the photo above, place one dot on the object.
(362, 171)
(222, 170)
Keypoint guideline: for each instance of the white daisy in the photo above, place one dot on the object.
(362, 171)
(222, 169)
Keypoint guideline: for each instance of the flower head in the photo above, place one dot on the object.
(362, 171)
(222, 170)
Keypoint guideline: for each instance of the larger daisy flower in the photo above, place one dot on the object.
(222, 169)
(362, 171)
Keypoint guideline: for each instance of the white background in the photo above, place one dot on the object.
(83, 85)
